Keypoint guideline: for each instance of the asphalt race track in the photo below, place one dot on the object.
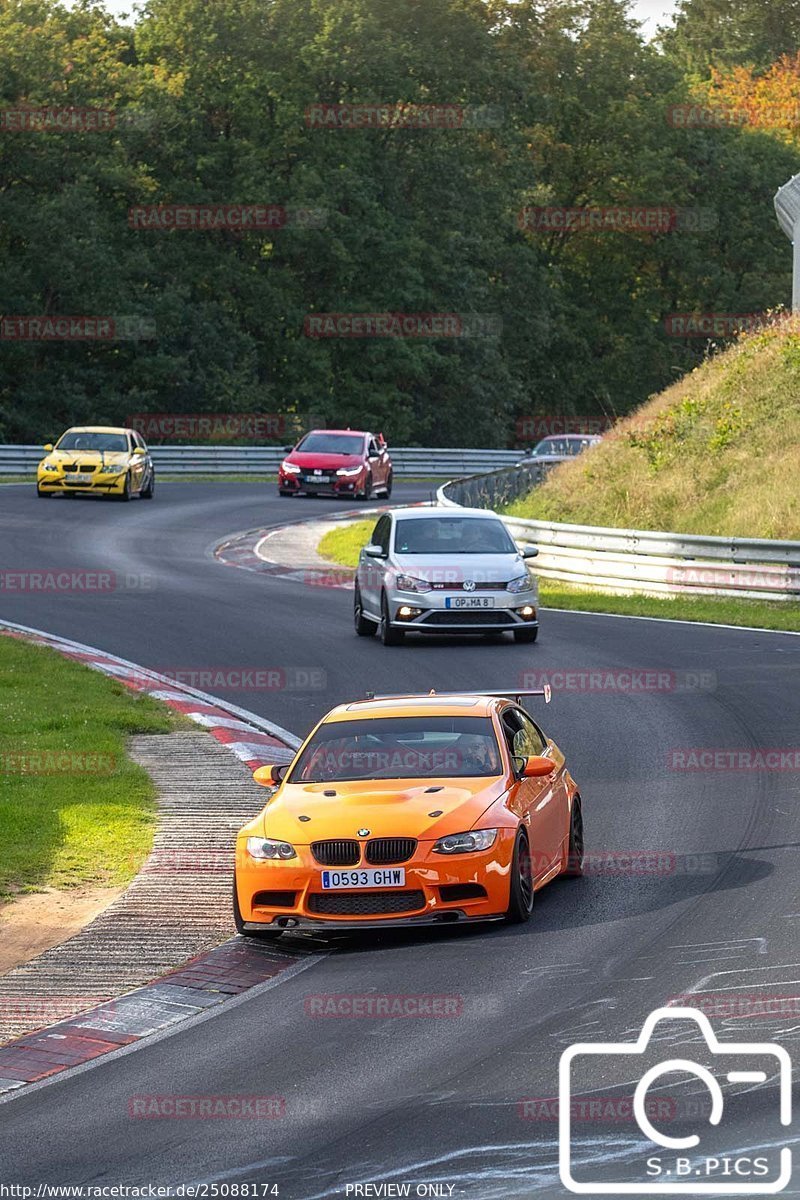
(431, 1100)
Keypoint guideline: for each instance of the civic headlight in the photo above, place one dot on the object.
(49, 466)
(463, 843)
(523, 583)
(351, 470)
(290, 468)
(407, 583)
(258, 847)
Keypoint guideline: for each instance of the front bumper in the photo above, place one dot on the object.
(431, 878)
(428, 612)
(308, 925)
(107, 483)
(335, 485)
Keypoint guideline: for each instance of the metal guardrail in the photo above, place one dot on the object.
(264, 460)
(639, 560)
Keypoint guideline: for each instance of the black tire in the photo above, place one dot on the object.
(364, 627)
(125, 495)
(43, 495)
(388, 634)
(367, 492)
(148, 492)
(520, 898)
(284, 492)
(388, 488)
(526, 635)
(266, 936)
(575, 850)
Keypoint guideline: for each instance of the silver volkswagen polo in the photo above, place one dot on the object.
(441, 570)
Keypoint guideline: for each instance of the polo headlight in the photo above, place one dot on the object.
(408, 583)
(263, 848)
(290, 468)
(523, 583)
(49, 466)
(464, 843)
(351, 470)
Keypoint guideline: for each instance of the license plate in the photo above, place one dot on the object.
(75, 477)
(469, 602)
(376, 877)
(315, 479)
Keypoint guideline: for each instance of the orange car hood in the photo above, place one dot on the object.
(387, 808)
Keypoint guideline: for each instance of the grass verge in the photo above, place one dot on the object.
(74, 809)
(762, 614)
(342, 546)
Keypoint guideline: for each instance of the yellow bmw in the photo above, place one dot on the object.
(104, 459)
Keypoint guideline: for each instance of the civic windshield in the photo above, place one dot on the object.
(452, 535)
(93, 441)
(399, 748)
(331, 443)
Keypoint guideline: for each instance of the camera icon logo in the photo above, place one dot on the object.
(676, 1172)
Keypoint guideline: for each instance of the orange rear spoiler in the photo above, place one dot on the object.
(516, 693)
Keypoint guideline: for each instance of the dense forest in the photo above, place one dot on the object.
(237, 190)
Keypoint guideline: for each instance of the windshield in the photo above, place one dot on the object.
(453, 535)
(566, 445)
(399, 748)
(93, 441)
(331, 443)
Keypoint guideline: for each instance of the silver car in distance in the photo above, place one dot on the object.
(442, 570)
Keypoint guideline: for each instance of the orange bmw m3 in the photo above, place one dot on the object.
(410, 810)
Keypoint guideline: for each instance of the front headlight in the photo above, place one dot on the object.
(463, 843)
(351, 470)
(290, 468)
(265, 848)
(523, 583)
(407, 583)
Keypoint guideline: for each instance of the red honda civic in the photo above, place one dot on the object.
(337, 462)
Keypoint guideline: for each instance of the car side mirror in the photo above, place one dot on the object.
(288, 449)
(48, 447)
(270, 774)
(536, 766)
(139, 450)
(530, 551)
(374, 551)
